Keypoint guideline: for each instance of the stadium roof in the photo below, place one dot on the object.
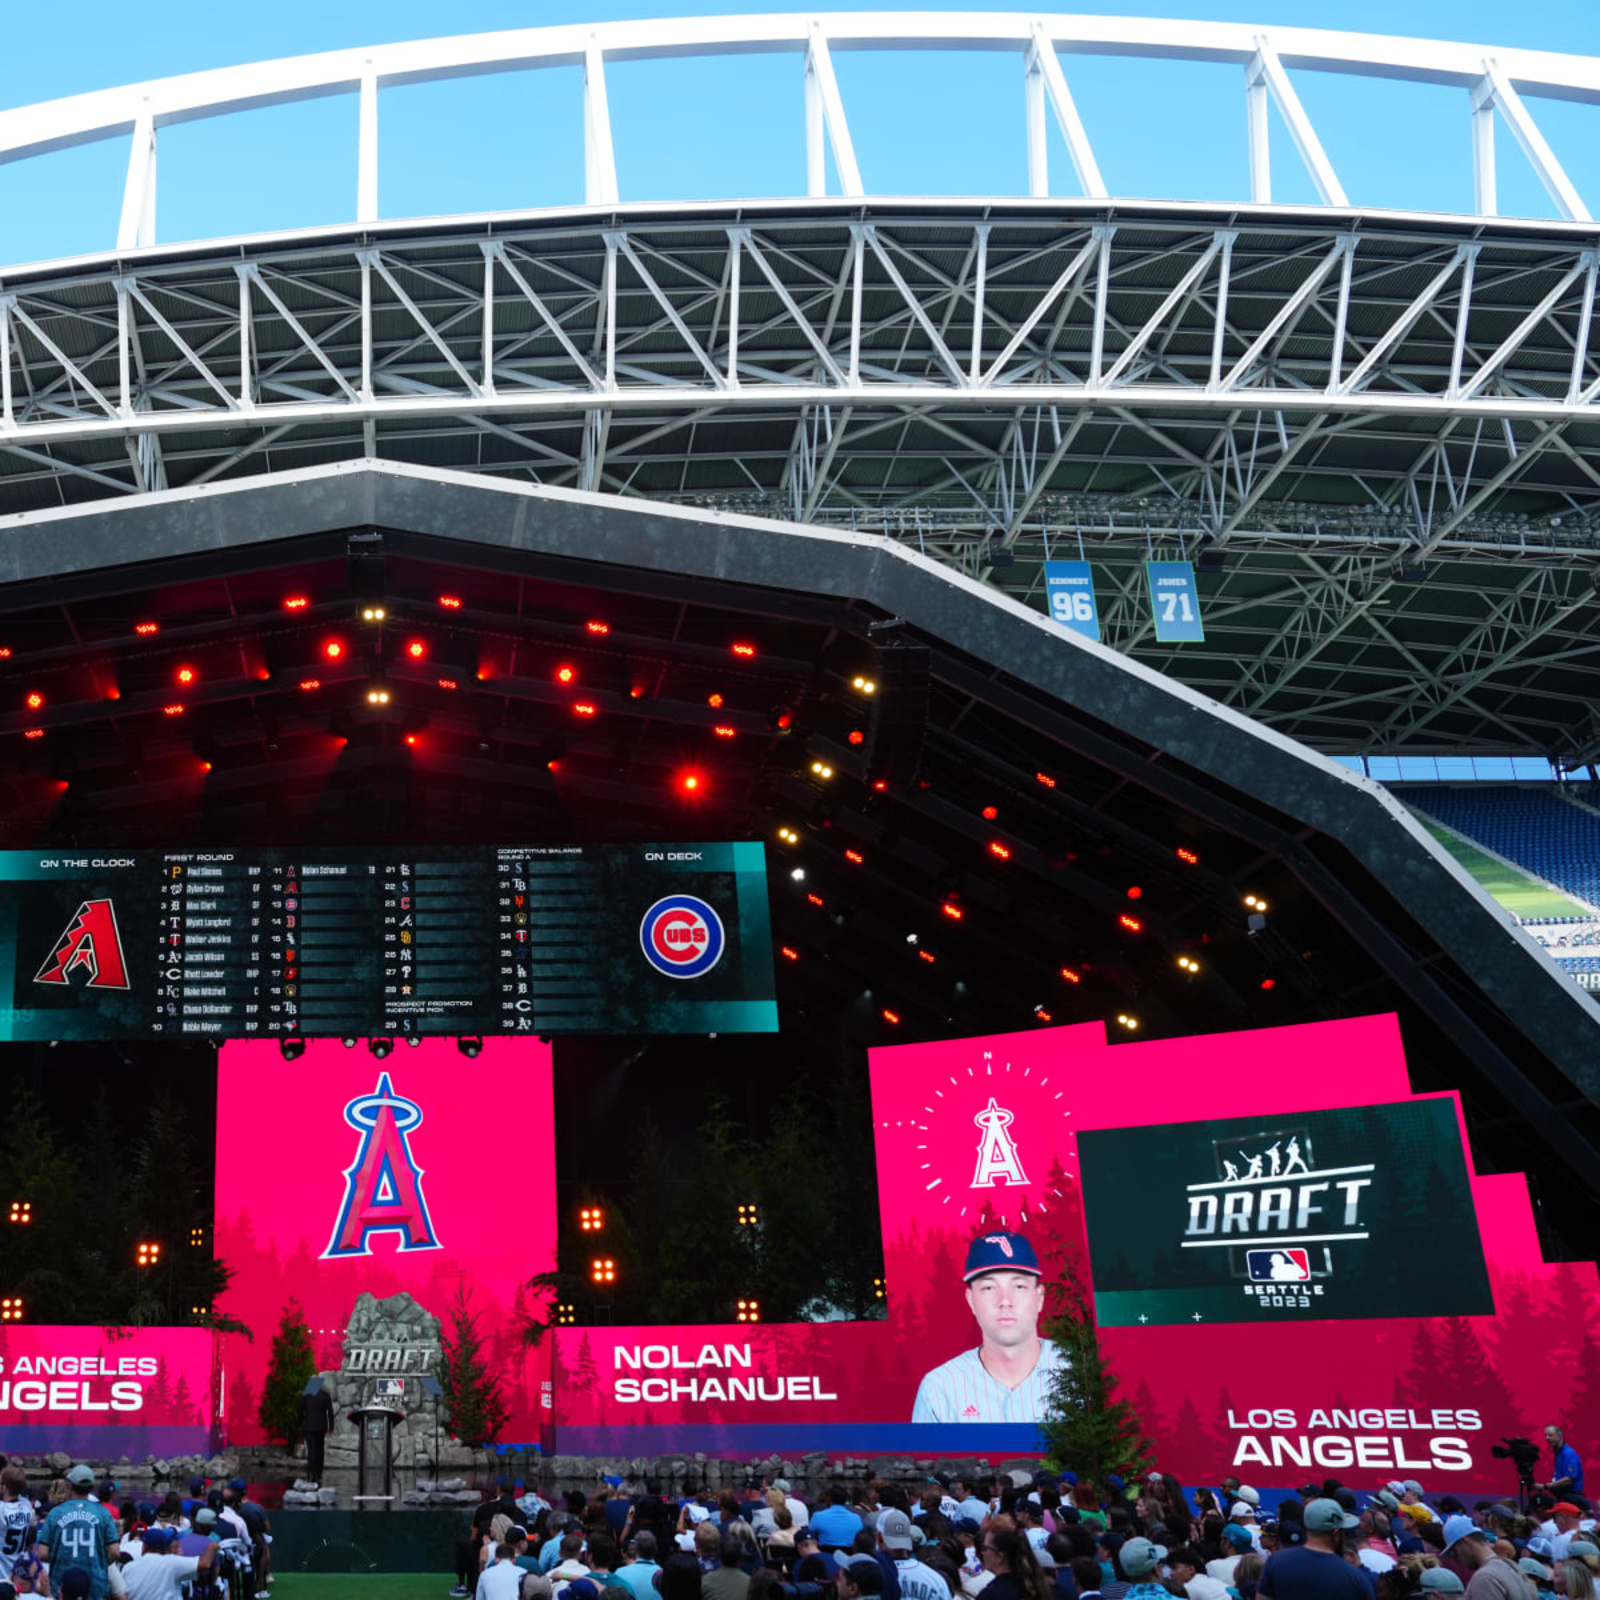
(177, 644)
(1375, 431)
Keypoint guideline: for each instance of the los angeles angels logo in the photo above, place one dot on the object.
(91, 942)
(997, 1154)
(383, 1185)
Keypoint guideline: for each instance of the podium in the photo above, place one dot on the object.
(375, 1427)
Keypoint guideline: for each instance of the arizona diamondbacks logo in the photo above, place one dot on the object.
(383, 1185)
(91, 942)
(997, 1154)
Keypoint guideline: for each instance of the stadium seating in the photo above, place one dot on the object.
(1535, 827)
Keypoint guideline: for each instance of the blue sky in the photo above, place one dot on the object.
(922, 123)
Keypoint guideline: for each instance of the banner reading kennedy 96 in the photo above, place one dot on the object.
(1324, 1214)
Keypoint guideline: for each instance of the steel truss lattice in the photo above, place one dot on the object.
(1378, 434)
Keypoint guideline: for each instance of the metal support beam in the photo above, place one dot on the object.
(1045, 80)
(137, 227)
(825, 109)
(599, 159)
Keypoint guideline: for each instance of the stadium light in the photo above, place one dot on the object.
(749, 1311)
(879, 1289)
(788, 835)
(864, 685)
(149, 1254)
(11, 1308)
(603, 1270)
(1128, 1022)
(185, 675)
(197, 1237)
(296, 602)
(598, 627)
(788, 952)
(566, 1315)
(592, 1219)
(147, 628)
(416, 649)
(1255, 902)
(749, 1217)
(1188, 964)
(333, 649)
(373, 613)
(35, 700)
(821, 769)
(22, 1212)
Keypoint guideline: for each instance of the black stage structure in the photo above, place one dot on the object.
(953, 853)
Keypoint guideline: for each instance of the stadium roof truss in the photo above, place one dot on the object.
(1376, 432)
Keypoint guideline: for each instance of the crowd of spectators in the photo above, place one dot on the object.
(1049, 1537)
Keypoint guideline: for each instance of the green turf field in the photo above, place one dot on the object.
(1515, 890)
(362, 1586)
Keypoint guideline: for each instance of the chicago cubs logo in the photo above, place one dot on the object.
(383, 1185)
(681, 936)
(90, 941)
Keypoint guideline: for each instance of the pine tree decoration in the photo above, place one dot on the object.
(472, 1396)
(291, 1367)
(1086, 1428)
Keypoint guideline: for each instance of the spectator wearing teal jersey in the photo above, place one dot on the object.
(80, 1533)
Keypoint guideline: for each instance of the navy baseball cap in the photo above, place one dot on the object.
(238, 1485)
(1000, 1252)
(156, 1539)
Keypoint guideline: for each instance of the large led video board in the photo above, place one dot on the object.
(514, 939)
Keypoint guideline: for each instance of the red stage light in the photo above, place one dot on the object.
(140, 627)
(448, 683)
(880, 786)
(333, 649)
(205, 766)
(952, 910)
(310, 683)
(416, 649)
(411, 739)
(62, 785)
(990, 813)
(113, 693)
(185, 674)
(1269, 983)
(173, 711)
(745, 650)
(857, 736)
(1070, 975)
(636, 692)
(788, 954)
(264, 674)
(5, 652)
(566, 674)
(785, 720)
(714, 701)
(855, 856)
(1136, 893)
(598, 627)
(1042, 1014)
(815, 899)
(1045, 779)
(1003, 852)
(35, 700)
(33, 733)
(723, 731)
(451, 602)
(296, 602)
(690, 782)
(928, 956)
(891, 1016)
(1132, 924)
(584, 709)
(1189, 856)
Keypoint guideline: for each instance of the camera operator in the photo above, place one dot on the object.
(1566, 1475)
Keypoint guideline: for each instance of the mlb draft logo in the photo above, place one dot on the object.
(89, 942)
(383, 1185)
(1287, 1265)
(681, 936)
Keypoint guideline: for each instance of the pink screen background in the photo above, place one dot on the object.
(484, 1147)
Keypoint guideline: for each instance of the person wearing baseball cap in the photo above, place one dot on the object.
(1317, 1569)
(1490, 1576)
(160, 1571)
(1140, 1560)
(79, 1535)
(1009, 1376)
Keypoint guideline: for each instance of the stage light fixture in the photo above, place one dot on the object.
(33, 733)
(928, 956)
(749, 1310)
(1188, 964)
(598, 627)
(149, 1254)
(377, 697)
(788, 835)
(691, 783)
(1045, 779)
(745, 650)
(197, 1237)
(952, 910)
(172, 710)
(185, 675)
(1188, 857)
(566, 1315)
(34, 700)
(448, 683)
(1128, 1022)
(372, 613)
(891, 1017)
(451, 602)
(205, 766)
(592, 1219)
(411, 740)
(1132, 924)
(880, 785)
(381, 1046)
(470, 1045)
(296, 602)
(145, 628)
(723, 731)
(1042, 1014)
(416, 649)
(308, 684)
(291, 1049)
(821, 769)
(878, 1288)
(1001, 852)
(11, 1308)
(714, 701)
(788, 952)
(990, 813)
(857, 736)
(864, 685)
(798, 874)
(566, 673)
(636, 691)
(815, 899)
(1269, 983)
(585, 708)
(855, 857)
(5, 652)
(602, 1269)
(911, 938)
(22, 1212)
(1135, 892)
(748, 1216)
(1255, 902)
(1071, 976)
(333, 649)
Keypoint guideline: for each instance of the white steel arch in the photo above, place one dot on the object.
(1492, 79)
